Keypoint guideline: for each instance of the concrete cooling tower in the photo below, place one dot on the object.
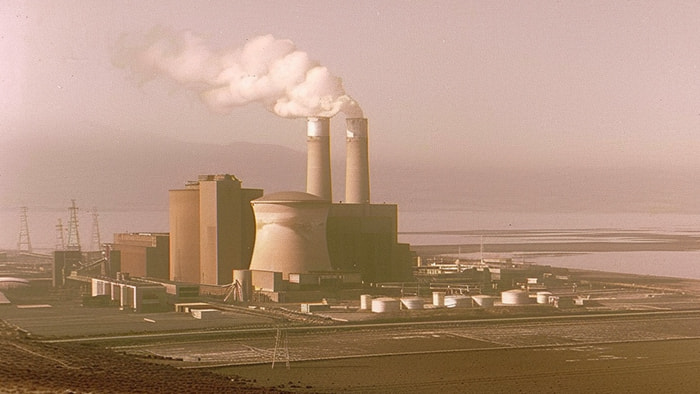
(290, 233)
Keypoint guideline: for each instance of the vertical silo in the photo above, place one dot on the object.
(184, 234)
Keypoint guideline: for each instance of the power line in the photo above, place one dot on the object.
(281, 348)
(60, 240)
(73, 242)
(24, 243)
(96, 242)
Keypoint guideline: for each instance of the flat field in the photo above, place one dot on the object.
(640, 367)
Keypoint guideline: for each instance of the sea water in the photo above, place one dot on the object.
(467, 227)
(418, 228)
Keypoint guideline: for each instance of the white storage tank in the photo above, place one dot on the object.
(515, 297)
(483, 301)
(385, 304)
(543, 297)
(439, 298)
(365, 302)
(412, 302)
(458, 301)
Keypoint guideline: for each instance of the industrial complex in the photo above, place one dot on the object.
(246, 279)
(229, 241)
(232, 245)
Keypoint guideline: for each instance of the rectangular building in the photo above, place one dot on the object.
(212, 229)
(143, 254)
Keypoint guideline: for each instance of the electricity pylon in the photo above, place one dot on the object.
(73, 242)
(24, 243)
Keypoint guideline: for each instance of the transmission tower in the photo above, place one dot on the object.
(281, 348)
(60, 240)
(73, 242)
(96, 242)
(24, 243)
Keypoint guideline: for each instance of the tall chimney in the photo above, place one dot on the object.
(357, 162)
(318, 162)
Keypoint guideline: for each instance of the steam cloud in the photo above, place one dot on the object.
(266, 70)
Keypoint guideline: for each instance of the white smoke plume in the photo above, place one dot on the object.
(266, 70)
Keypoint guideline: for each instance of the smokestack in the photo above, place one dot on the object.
(318, 162)
(357, 162)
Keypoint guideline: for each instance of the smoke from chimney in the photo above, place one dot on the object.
(266, 70)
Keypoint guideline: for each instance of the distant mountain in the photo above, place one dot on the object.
(103, 167)
(113, 170)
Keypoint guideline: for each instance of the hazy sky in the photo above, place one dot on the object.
(532, 83)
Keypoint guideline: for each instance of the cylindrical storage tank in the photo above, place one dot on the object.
(458, 301)
(245, 281)
(515, 297)
(318, 160)
(412, 303)
(356, 162)
(439, 298)
(543, 297)
(483, 301)
(385, 304)
(290, 234)
(365, 302)
(184, 234)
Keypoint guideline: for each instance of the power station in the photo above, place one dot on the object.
(218, 227)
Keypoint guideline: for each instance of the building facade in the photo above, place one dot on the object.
(212, 229)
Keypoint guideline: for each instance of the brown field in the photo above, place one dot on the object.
(29, 366)
(648, 367)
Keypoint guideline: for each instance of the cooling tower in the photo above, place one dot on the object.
(290, 233)
(318, 162)
(357, 162)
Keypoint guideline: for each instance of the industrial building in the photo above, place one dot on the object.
(212, 229)
(141, 254)
(134, 295)
(288, 245)
(361, 236)
(64, 263)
